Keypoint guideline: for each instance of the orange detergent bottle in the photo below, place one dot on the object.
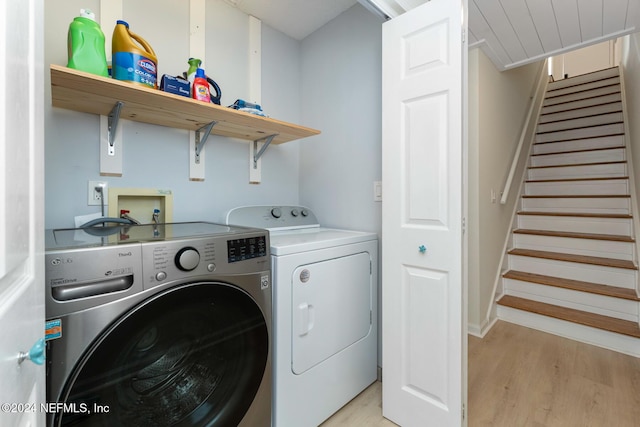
(133, 58)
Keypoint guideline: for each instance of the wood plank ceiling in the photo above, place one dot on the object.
(510, 32)
(516, 32)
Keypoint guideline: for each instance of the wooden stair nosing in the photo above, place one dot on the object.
(575, 285)
(613, 91)
(593, 77)
(576, 196)
(581, 259)
(579, 164)
(576, 214)
(576, 235)
(585, 150)
(595, 73)
(597, 178)
(611, 324)
(581, 108)
(551, 95)
(580, 127)
(577, 139)
(579, 95)
(578, 118)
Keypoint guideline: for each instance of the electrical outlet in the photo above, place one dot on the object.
(95, 197)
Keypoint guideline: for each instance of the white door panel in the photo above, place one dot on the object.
(423, 328)
(21, 210)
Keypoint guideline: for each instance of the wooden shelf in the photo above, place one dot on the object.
(80, 91)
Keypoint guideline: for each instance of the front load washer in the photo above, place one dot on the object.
(325, 310)
(158, 325)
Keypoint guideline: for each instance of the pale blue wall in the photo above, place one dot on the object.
(341, 94)
(155, 156)
(330, 81)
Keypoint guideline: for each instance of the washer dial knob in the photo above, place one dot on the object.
(276, 212)
(187, 258)
(295, 213)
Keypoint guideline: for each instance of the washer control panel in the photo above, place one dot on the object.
(273, 217)
(166, 261)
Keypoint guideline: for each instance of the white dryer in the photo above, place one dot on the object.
(324, 313)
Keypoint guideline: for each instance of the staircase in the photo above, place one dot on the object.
(572, 267)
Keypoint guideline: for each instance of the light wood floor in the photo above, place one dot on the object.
(520, 377)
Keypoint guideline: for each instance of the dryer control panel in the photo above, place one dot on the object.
(271, 217)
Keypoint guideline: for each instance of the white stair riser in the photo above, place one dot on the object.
(615, 96)
(609, 155)
(579, 144)
(584, 78)
(576, 113)
(611, 276)
(577, 246)
(599, 304)
(575, 97)
(567, 188)
(574, 331)
(586, 86)
(607, 205)
(587, 132)
(580, 122)
(617, 226)
(585, 171)
(570, 94)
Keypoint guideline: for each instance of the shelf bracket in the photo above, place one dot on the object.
(202, 135)
(267, 140)
(112, 126)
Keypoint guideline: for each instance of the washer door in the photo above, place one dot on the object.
(193, 355)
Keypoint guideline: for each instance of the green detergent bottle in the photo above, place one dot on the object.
(85, 45)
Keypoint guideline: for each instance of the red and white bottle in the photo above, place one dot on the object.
(200, 87)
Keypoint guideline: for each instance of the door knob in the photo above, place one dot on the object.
(36, 354)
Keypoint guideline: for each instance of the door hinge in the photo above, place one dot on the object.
(464, 412)
(464, 36)
(464, 225)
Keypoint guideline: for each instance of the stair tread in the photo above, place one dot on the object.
(547, 132)
(582, 259)
(576, 285)
(576, 214)
(586, 137)
(598, 321)
(597, 178)
(591, 236)
(574, 196)
(577, 86)
(583, 107)
(585, 150)
(579, 164)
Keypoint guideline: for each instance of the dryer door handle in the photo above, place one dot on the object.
(306, 317)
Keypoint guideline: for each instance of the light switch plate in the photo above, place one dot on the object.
(377, 191)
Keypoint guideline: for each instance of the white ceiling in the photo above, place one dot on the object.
(510, 32)
(516, 32)
(295, 18)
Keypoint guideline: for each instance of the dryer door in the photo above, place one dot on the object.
(194, 355)
(331, 308)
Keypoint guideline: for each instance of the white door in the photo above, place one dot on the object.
(22, 386)
(423, 311)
